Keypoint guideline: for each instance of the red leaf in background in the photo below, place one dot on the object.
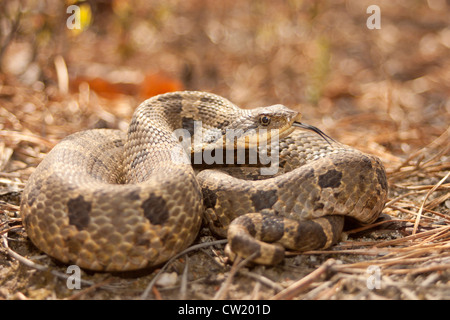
(152, 85)
(158, 83)
(101, 86)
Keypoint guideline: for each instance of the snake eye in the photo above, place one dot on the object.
(264, 120)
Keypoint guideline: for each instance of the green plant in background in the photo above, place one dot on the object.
(319, 70)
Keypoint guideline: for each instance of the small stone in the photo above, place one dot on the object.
(447, 203)
(167, 279)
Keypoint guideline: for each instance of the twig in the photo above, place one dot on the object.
(39, 267)
(27, 137)
(329, 292)
(184, 279)
(302, 284)
(81, 293)
(264, 280)
(373, 225)
(238, 264)
(416, 223)
(255, 292)
(10, 229)
(391, 202)
(434, 144)
(365, 252)
(416, 271)
(192, 248)
(156, 293)
(421, 187)
(34, 265)
(62, 74)
(317, 292)
(11, 206)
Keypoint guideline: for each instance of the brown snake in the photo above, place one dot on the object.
(106, 200)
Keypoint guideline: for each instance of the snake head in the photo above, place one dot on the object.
(281, 119)
(258, 127)
(277, 117)
(263, 125)
(276, 120)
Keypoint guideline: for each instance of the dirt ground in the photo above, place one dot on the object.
(384, 91)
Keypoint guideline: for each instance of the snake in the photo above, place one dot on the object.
(108, 200)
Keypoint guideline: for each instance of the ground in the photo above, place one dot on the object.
(382, 90)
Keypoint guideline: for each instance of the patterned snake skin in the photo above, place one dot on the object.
(111, 201)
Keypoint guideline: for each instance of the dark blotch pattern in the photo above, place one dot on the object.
(313, 232)
(134, 195)
(155, 210)
(133, 126)
(331, 179)
(272, 228)
(264, 199)
(188, 124)
(79, 211)
(98, 163)
(175, 100)
(34, 192)
(170, 98)
(208, 100)
(308, 174)
(382, 180)
(223, 126)
(209, 198)
(366, 163)
(140, 157)
(118, 143)
(248, 224)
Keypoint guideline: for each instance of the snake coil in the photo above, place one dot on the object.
(114, 201)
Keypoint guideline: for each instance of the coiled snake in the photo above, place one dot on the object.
(111, 201)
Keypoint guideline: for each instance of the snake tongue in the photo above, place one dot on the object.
(312, 128)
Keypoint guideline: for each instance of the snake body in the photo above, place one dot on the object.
(113, 201)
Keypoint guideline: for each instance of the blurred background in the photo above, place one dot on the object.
(384, 89)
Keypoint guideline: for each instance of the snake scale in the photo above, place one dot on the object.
(114, 201)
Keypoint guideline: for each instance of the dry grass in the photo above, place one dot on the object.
(384, 91)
